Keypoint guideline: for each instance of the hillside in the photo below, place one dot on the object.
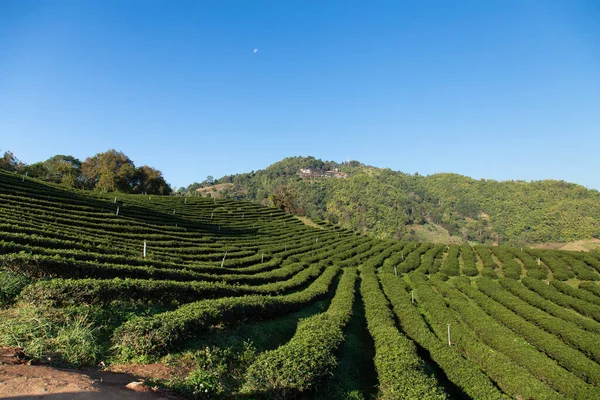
(441, 207)
(229, 299)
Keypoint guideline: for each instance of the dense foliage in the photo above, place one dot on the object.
(244, 301)
(387, 204)
(109, 171)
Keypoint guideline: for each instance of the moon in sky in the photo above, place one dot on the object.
(255, 51)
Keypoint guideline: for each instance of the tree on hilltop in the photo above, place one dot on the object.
(9, 162)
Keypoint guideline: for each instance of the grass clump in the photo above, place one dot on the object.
(11, 284)
(58, 336)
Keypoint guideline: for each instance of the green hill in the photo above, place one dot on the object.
(239, 300)
(440, 207)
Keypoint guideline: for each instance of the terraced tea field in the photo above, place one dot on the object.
(242, 301)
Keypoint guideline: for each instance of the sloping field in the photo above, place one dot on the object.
(245, 301)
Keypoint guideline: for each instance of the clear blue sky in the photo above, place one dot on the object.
(488, 89)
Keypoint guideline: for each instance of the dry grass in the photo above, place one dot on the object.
(579, 245)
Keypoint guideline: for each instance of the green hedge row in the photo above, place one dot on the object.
(511, 377)
(530, 263)
(489, 265)
(581, 270)
(503, 339)
(590, 287)
(559, 339)
(161, 333)
(551, 293)
(400, 371)
(451, 264)
(560, 269)
(431, 259)
(413, 260)
(510, 266)
(577, 293)
(538, 301)
(462, 372)
(469, 260)
(309, 357)
(60, 292)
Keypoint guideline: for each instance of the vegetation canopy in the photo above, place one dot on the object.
(239, 300)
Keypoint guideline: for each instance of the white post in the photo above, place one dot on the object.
(412, 297)
(115, 201)
(223, 262)
(395, 270)
(117, 211)
(539, 261)
(262, 259)
(402, 254)
(173, 212)
(144, 249)
(449, 342)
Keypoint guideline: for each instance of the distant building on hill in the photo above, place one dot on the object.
(308, 173)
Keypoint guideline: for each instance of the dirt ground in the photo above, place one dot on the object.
(20, 380)
(579, 245)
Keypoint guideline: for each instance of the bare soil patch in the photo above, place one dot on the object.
(20, 380)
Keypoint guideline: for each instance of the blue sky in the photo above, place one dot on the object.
(488, 89)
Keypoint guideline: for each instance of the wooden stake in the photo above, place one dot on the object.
(117, 211)
(449, 342)
(223, 262)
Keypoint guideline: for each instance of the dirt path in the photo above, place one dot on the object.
(18, 380)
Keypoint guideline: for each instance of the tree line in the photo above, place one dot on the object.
(392, 204)
(110, 171)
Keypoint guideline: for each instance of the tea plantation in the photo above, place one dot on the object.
(243, 301)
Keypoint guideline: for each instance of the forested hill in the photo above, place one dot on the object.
(440, 207)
